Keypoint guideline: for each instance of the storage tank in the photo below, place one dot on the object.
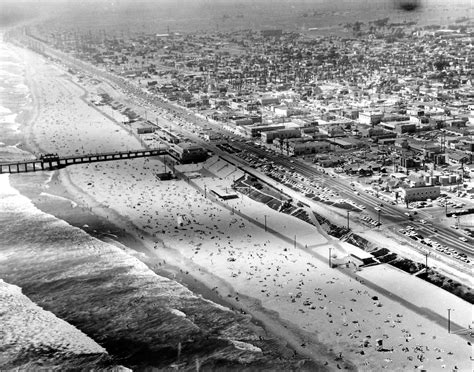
(453, 178)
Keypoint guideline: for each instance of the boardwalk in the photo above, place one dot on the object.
(56, 162)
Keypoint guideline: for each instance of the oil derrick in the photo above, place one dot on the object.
(253, 75)
(443, 142)
(244, 75)
(287, 74)
(263, 76)
(216, 64)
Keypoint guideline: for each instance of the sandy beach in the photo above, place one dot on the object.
(284, 282)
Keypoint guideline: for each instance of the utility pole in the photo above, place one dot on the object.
(265, 222)
(295, 241)
(330, 263)
(348, 220)
(449, 320)
(426, 260)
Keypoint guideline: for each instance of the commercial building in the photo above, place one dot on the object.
(268, 137)
(410, 194)
(370, 118)
(187, 152)
(255, 131)
(308, 147)
(269, 100)
(348, 142)
(399, 127)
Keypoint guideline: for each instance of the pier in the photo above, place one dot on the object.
(56, 162)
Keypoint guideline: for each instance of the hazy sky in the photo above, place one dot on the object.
(12, 11)
(307, 2)
(345, 3)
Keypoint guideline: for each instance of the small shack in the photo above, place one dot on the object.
(224, 193)
(166, 176)
(358, 256)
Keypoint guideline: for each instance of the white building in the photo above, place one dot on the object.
(420, 193)
(370, 118)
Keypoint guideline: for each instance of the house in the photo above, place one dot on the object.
(458, 158)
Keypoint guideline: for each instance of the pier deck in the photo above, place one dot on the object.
(64, 161)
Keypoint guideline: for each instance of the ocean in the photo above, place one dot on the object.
(15, 104)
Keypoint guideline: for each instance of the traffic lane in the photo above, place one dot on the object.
(444, 235)
(446, 238)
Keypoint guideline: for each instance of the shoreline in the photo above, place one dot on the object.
(269, 321)
(132, 241)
